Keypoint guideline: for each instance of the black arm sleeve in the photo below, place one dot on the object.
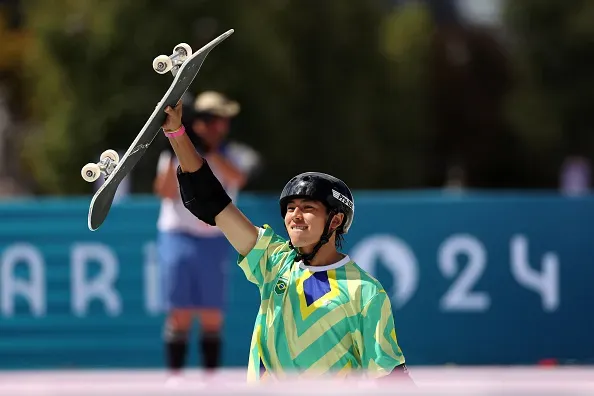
(202, 193)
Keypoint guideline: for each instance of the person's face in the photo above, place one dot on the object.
(305, 221)
(212, 131)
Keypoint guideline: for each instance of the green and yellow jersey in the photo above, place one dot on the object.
(317, 320)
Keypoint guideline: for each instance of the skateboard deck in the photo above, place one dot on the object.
(103, 198)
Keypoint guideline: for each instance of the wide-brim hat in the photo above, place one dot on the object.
(217, 104)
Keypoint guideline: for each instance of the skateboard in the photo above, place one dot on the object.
(184, 65)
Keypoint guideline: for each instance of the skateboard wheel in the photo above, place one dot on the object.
(90, 172)
(183, 49)
(111, 154)
(162, 64)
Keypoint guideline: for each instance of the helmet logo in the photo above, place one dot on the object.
(343, 199)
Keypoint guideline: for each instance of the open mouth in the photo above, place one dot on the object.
(299, 228)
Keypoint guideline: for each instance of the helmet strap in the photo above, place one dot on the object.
(308, 257)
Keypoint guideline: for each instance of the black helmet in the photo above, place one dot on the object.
(327, 189)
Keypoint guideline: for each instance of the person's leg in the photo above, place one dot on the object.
(210, 342)
(177, 328)
(211, 274)
(177, 287)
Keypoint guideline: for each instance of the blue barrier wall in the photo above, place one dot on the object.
(474, 280)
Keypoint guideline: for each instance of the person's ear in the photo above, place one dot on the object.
(336, 221)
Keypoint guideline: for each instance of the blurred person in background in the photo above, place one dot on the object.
(193, 255)
(575, 176)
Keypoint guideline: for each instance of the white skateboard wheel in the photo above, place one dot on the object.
(111, 154)
(90, 172)
(162, 64)
(184, 49)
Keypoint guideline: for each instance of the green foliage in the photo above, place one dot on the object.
(90, 79)
(552, 53)
(352, 88)
(333, 86)
(406, 40)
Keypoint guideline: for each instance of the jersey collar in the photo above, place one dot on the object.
(320, 268)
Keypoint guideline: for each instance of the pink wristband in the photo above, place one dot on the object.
(178, 132)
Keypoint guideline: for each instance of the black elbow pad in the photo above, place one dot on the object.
(202, 193)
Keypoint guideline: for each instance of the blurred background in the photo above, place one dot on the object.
(464, 127)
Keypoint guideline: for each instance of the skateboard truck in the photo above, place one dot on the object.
(107, 163)
(164, 63)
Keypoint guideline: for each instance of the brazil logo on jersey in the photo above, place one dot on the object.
(280, 287)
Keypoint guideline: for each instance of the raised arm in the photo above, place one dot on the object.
(202, 193)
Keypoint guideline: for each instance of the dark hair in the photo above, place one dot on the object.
(339, 240)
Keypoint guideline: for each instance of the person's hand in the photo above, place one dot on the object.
(174, 116)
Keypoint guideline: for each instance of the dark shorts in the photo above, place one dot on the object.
(193, 270)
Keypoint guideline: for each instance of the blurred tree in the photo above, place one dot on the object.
(14, 43)
(469, 80)
(90, 82)
(323, 85)
(551, 106)
(384, 97)
(406, 39)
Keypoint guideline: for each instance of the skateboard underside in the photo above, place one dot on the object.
(184, 76)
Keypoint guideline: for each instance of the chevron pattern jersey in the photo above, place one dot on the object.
(317, 320)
